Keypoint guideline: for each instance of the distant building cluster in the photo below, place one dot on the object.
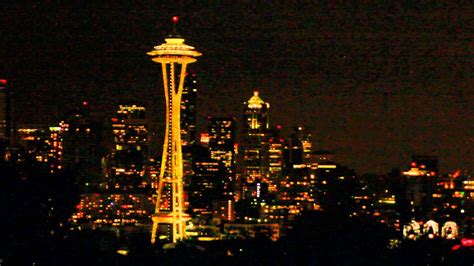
(242, 177)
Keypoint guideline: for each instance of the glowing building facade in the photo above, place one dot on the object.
(221, 145)
(255, 141)
(275, 158)
(43, 145)
(169, 219)
(130, 152)
(207, 187)
(123, 198)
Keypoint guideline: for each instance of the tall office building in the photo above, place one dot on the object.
(129, 155)
(255, 140)
(124, 200)
(6, 108)
(221, 145)
(207, 186)
(335, 187)
(43, 146)
(275, 158)
(188, 110)
(188, 125)
(419, 182)
(81, 146)
(298, 152)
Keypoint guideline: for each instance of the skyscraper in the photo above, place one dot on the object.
(123, 199)
(174, 56)
(419, 182)
(188, 110)
(275, 158)
(298, 152)
(255, 135)
(206, 187)
(221, 141)
(43, 146)
(81, 146)
(5, 111)
(130, 152)
(188, 124)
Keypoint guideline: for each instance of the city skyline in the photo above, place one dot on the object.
(343, 84)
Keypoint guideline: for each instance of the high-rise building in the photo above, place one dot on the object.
(188, 125)
(124, 199)
(170, 219)
(207, 186)
(335, 187)
(130, 152)
(255, 140)
(37, 144)
(275, 158)
(6, 126)
(188, 110)
(81, 146)
(419, 182)
(221, 145)
(298, 152)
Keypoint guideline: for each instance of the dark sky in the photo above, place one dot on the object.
(375, 83)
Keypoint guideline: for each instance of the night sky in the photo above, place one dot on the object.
(375, 83)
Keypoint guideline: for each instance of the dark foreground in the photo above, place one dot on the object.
(315, 240)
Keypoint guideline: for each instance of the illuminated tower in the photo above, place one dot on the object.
(169, 215)
(255, 142)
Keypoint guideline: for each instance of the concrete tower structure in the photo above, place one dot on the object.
(169, 219)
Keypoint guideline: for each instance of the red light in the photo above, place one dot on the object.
(279, 127)
(114, 119)
(467, 242)
(3, 81)
(456, 174)
(175, 19)
(456, 247)
(413, 164)
(85, 103)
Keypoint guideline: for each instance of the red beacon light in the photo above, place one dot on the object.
(175, 19)
(3, 82)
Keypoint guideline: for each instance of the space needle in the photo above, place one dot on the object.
(169, 218)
